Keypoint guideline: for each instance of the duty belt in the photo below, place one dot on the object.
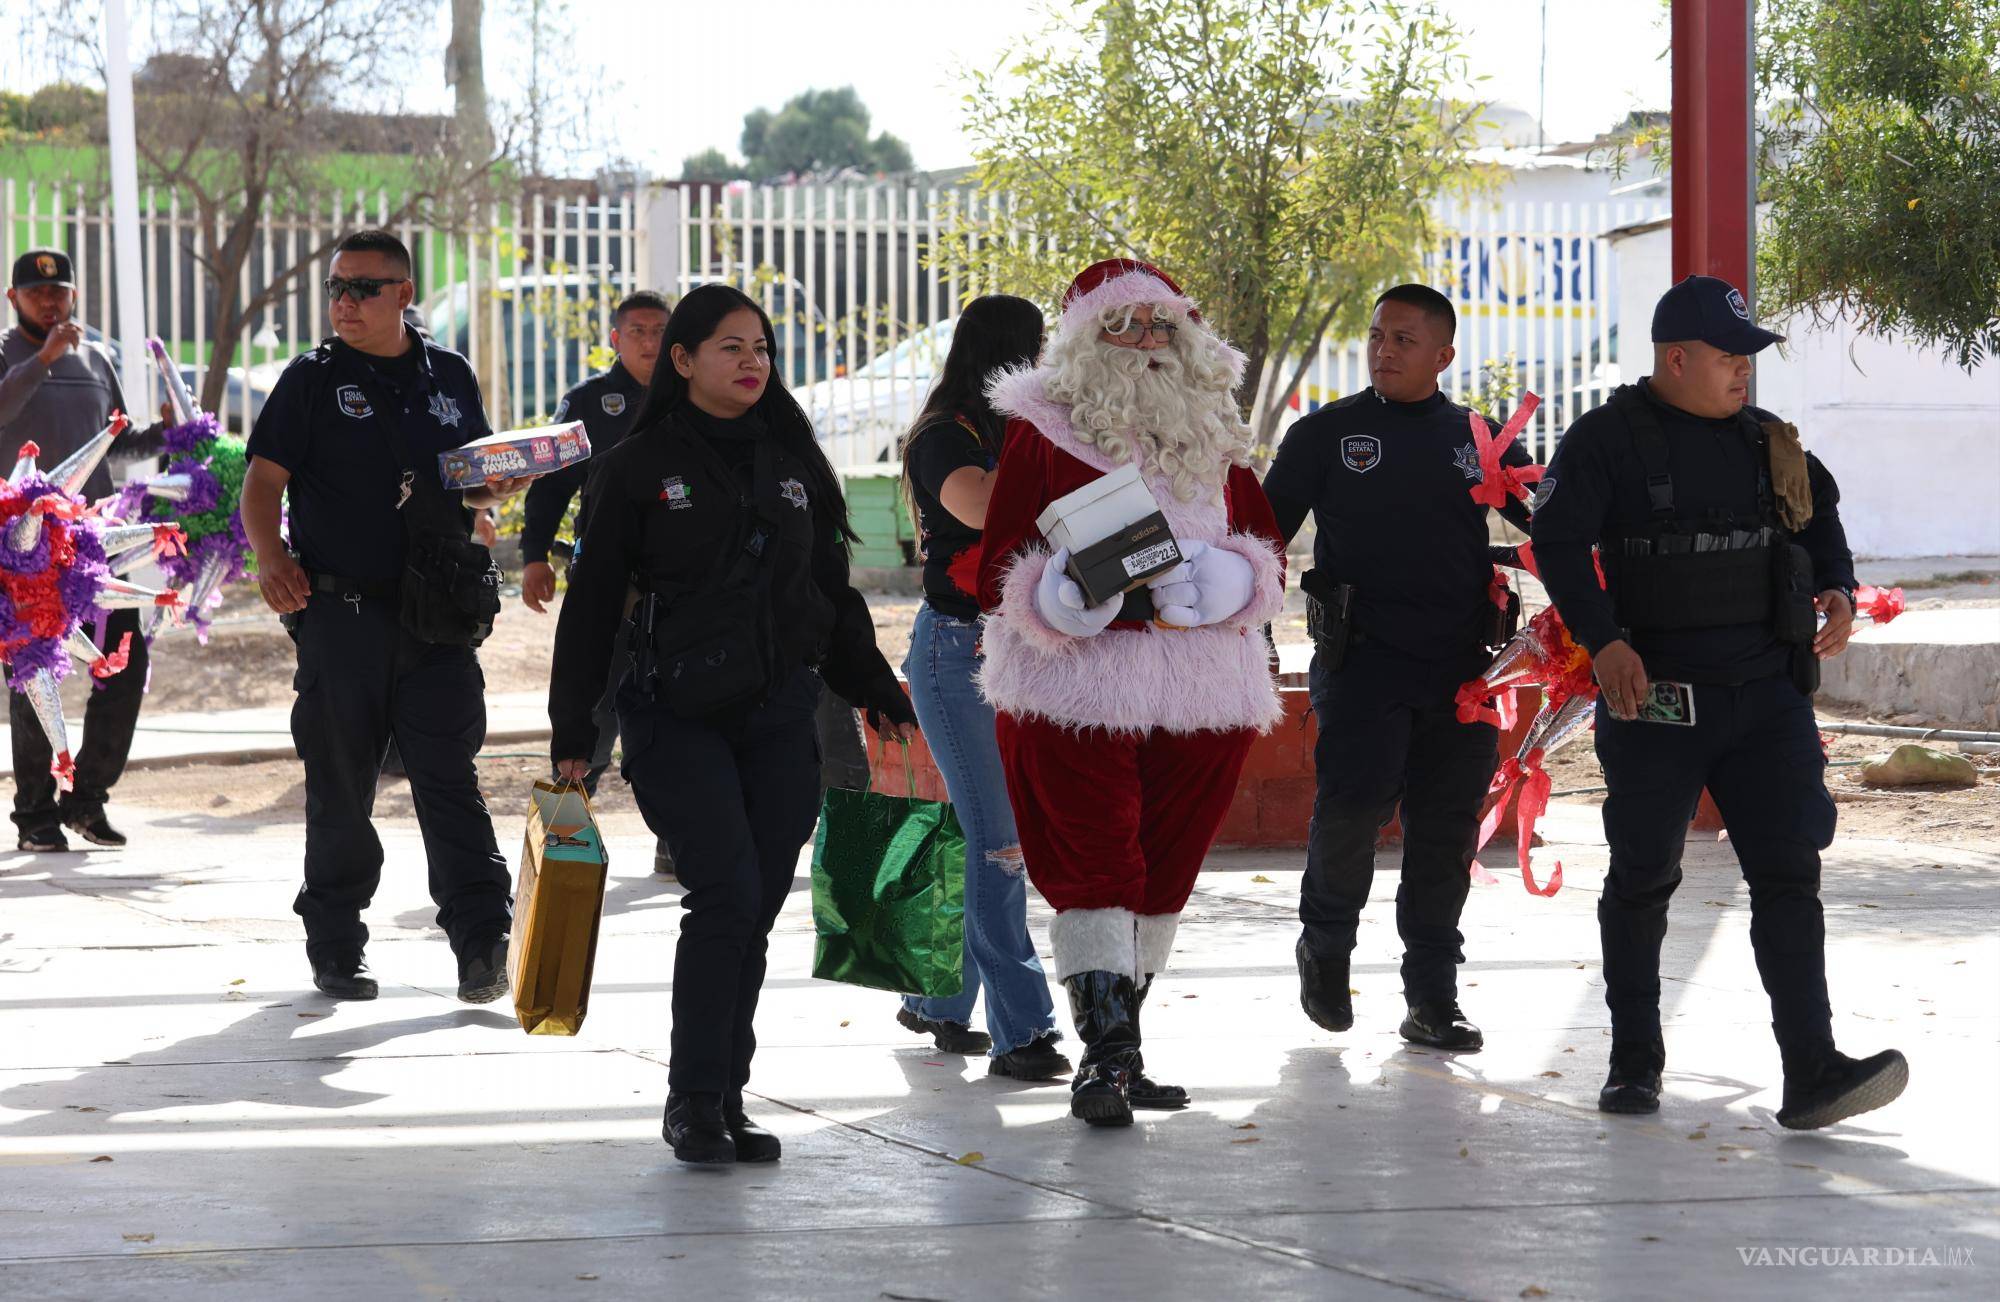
(381, 589)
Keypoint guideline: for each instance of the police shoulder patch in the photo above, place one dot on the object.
(1467, 460)
(1360, 453)
(353, 402)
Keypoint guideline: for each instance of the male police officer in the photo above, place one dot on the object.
(1720, 545)
(351, 432)
(1403, 614)
(58, 390)
(607, 404)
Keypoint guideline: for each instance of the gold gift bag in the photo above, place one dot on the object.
(557, 903)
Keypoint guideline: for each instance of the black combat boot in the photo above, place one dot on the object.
(1633, 1087)
(1323, 990)
(1833, 1087)
(753, 1142)
(697, 1129)
(1441, 1024)
(342, 975)
(1144, 1091)
(1104, 1006)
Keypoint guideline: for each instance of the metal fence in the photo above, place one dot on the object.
(525, 289)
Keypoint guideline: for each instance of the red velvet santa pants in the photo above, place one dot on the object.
(1113, 820)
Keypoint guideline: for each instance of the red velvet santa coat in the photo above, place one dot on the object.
(1132, 677)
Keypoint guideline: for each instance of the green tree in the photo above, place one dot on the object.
(817, 131)
(1881, 164)
(248, 110)
(1276, 156)
(710, 165)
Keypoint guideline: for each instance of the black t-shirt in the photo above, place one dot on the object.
(950, 546)
(323, 423)
(1389, 487)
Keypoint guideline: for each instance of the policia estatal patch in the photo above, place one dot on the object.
(1361, 453)
(1668, 703)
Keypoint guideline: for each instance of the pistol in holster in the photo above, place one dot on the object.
(1329, 617)
(1501, 621)
(644, 615)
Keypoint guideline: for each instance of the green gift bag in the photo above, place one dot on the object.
(888, 880)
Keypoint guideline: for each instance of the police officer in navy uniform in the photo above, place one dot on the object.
(351, 435)
(1401, 604)
(722, 511)
(1721, 546)
(607, 404)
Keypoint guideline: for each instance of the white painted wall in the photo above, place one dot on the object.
(1913, 440)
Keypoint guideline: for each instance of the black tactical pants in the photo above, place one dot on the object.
(109, 717)
(362, 680)
(1756, 748)
(1389, 732)
(735, 798)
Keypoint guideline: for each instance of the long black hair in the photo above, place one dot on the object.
(994, 331)
(694, 321)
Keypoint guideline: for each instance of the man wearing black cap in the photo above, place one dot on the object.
(1721, 547)
(58, 390)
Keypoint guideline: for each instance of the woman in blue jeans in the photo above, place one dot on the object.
(948, 470)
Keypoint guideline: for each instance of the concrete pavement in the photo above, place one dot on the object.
(264, 1142)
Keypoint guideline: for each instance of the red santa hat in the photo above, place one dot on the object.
(1120, 282)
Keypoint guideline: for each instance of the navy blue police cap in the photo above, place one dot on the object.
(1711, 310)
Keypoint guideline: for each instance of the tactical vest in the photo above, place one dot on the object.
(1678, 573)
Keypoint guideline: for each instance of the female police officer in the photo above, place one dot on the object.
(721, 510)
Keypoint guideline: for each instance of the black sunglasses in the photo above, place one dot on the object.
(358, 288)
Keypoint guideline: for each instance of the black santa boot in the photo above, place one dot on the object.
(1144, 1091)
(1105, 1007)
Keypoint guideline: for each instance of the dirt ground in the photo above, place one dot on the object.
(249, 662)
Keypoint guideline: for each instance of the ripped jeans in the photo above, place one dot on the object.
(958, 727)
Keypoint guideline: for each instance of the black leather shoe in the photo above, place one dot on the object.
(1441, 1026)
(1144, 1091)
(695, 1126)
(1633, 1087)
(949, 1037)
(1838, 1087)
(753, 1142)
(1103, 1005)
(95, 828)
(1323, 990)
(343, 976)
(44, 840)
(1035, 1060)
(482, 971)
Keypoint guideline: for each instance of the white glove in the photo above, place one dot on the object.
(1060, 602)
(1207, 587)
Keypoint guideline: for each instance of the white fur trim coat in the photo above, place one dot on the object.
(1132, 677)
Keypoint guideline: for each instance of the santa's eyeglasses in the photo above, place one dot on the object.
(1136, 333)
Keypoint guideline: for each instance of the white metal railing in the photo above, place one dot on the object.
(1536, 289)
(525, 288)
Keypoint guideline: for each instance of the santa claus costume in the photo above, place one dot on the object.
(1123, 727)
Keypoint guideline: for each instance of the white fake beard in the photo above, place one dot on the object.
(1178, 417)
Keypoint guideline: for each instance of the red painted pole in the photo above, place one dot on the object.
(1714, 195)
